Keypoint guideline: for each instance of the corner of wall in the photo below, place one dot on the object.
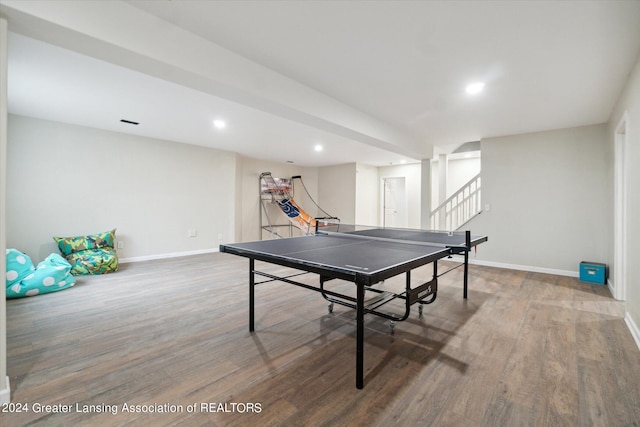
(5, 389)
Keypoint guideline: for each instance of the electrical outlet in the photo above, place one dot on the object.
(220, 236)
(120, 244)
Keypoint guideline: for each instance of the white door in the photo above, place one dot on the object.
(395, 202)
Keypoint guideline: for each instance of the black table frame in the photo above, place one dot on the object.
(363, 282)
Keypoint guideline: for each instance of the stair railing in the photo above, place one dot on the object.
(459, 208)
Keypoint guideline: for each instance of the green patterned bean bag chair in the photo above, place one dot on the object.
(92, 254)
(25, 280)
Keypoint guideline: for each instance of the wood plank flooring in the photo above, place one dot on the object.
(525, 349)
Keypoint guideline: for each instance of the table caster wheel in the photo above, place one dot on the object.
(330, 307)
(420, 310)
(392, 327)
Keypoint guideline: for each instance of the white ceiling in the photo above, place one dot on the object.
(53, 83)
(372, 81)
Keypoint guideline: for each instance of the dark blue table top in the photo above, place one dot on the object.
(365, 252)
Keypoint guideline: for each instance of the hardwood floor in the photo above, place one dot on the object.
(525, 349)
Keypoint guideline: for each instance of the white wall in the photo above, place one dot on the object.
(629, 102)
(249, 208)
(337, 191)
(367, 195)
(66, 180)
(413, 177)
(459, 172)
(549, 196)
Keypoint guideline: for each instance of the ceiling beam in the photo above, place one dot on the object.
(124, 35)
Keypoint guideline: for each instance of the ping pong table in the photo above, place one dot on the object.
(362, 255)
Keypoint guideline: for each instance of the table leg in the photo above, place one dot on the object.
(360, 336)
(466, 272)
(251, 292)
(467, 239)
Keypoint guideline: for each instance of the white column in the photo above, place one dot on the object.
(443, 173)
(5, 389)
(425, 194)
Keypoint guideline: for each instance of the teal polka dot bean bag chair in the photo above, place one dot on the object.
(25, 280)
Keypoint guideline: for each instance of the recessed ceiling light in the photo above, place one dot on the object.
(475, 88)
(318, 147)
(219, 124)
(403, 162)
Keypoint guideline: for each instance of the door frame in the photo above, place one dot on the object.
(405, 202)
(621, 169)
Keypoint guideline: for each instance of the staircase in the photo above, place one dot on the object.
(459, 208)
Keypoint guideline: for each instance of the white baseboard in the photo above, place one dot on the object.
(165, 256)
(5, 393)
(633, 327)
(524, 268)
(457, 257)
(635, 332)
(611, 287)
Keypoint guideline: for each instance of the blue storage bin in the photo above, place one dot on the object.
(593, 272)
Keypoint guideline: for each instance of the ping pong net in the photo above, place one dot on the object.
(461, 240)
